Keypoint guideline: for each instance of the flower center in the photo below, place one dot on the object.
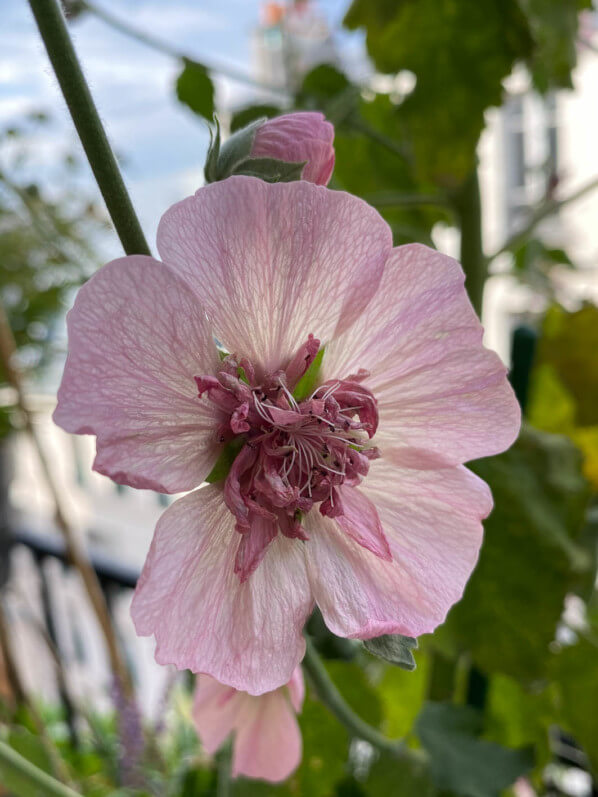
(294, 452)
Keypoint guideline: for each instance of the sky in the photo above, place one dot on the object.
(161, 144)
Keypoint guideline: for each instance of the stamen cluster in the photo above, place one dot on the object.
(295, 453)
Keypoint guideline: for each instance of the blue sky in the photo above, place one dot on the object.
(161, 144)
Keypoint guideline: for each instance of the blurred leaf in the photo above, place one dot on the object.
(460, 52)
(402, 695)
(245, 116)
(553, 26)
(394, 648)
(195, 89)
(574, 670)
(461, 762)
(564, 381)
(271, 170)
(518, 717)
(534, 553)
(398, 778)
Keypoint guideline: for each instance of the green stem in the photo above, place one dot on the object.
(469, 212)
(11, 761)
(542, 211)
(335, 703)
(52, 27)
(224, 770)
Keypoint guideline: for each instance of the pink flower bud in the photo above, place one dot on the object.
(296, 137)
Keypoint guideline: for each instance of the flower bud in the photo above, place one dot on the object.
(295, 146)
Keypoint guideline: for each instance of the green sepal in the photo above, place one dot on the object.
(223, 159)
(307, 384)
(225, 461)
(394, 648)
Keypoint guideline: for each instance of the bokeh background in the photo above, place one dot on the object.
(472, 125)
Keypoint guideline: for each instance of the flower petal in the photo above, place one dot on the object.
(432, 520)
(438, 389)
(361, 522)
(216, 708)
(296, 687)
(137, 337)
(247, 635)
(268, 741)
(272, 263)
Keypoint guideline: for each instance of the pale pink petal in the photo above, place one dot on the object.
(247, 635)
(361, 522)
(438, 389)
(268, 741)
(297, 137)
(432, 520)
(216, 708)
(296, 688)
(274, 263)
(137, 337)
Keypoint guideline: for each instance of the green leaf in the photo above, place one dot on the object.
(398, 778)
(271, 170)
(460, 53)
(225, 461)
(574, 670)
(308, 382)
(394, 648)
(252, 113)
(195, 89)
(459, 761)
(534, 553)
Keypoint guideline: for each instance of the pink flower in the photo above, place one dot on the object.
(354, 497)
(267, 739)
(296, 137)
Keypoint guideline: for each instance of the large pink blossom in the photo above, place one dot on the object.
(266, 736)
(353, 497)
(297, 137)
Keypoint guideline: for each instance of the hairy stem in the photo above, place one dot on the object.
(40, 781)
(52, 27)
(75, 551)
(335, 703)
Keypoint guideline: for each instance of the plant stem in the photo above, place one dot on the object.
(58, 766)
(224, 770)
(167, 49)
(333, 700)
(75, 551)
(52, 27)
(546, 208)
(469, 212)
(38, 779)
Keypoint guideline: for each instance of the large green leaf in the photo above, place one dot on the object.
(460, 52)
(459, 761)
(533, 554)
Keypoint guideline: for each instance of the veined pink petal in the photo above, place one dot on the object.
(361, 522)
(216, 708)
(268, 740)
(438, 389)
(247, 635)
(137, 336)
(432, 521)
(296, 687)
(272, 263)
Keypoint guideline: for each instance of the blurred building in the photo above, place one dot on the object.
(291, 39)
